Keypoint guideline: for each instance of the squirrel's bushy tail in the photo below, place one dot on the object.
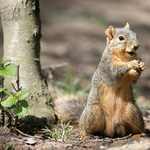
(69, 107)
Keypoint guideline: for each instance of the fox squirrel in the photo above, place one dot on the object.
(110, 109)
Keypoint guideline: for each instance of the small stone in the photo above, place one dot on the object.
(30, 141)
(102, 147)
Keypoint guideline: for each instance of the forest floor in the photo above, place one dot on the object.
(73, 32)
(37, 139)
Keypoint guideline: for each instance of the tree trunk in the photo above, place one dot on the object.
(22, 32)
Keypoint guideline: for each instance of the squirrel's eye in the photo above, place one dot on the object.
(121, 38)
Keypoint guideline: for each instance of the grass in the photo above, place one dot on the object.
(72, 87)
(66, 132)
(54, 135)
(9, 146)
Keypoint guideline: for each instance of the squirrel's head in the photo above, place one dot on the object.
(122, 42)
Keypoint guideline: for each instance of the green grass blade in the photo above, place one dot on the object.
(76, 81)
(69, 76)
(62, 125)
(61, 84)
(85, 89)
(48, 130)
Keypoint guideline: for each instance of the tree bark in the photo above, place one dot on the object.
(22, 32)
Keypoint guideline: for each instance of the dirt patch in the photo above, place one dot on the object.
(73, 142)
(33, 137)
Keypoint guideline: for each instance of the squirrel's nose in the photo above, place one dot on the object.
(136, 47)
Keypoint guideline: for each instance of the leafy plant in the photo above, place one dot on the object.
(65, 131)
(72, 87)
(9, 146)
(13, 101)
(16, 102)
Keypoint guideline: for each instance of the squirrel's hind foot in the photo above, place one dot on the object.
(138, 136)
(87, 136)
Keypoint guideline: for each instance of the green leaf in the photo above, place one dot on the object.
(1, 65)
(6, 61)
(22, 95)
(12, 106)
(9, 101)
(20, 111)
(2, 90)
(11, 94)
(9, 69)
(2, 93)
(23, 103)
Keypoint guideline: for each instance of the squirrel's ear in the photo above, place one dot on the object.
(110, 32)
(127, 26)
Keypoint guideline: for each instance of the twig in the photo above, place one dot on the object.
(14, 87)
(18, 89)
(27, 134)
(53, 67)
(17, 81)
(110, 140)
(122, 138)
(3, 113)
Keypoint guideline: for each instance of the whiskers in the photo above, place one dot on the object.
(138, 32)
(143, 42)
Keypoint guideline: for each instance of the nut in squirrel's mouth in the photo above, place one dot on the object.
(131, 53)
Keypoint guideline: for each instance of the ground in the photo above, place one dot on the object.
(73, 32)
(41, 140)
(37, 139)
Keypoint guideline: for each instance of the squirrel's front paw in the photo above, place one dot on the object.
(142, 66)
(136, 65)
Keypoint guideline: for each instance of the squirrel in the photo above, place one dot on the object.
(110, 108)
